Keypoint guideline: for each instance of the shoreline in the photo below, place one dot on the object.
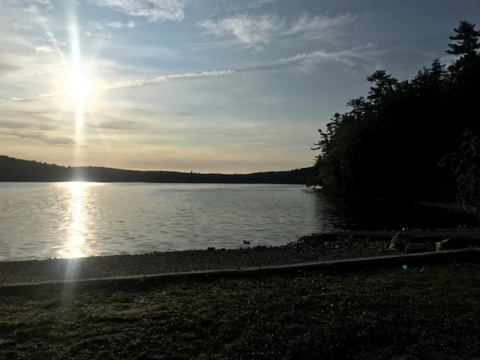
(310, 248)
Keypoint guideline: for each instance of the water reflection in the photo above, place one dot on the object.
(340, 213)
(77, 226)
(74, 220)
(76, 244)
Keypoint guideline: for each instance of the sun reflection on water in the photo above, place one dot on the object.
(76, 239)
(76, 244)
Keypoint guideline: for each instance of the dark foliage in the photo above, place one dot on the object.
(410, 140)
(31, 171)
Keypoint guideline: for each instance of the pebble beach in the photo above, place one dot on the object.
(310, 248)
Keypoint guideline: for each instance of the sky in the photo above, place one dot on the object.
(229, 86)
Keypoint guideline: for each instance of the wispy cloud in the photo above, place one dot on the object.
(32, 9)
(135, 83)
(358, 56)
(6, 68)
(255, 30)
(16, 124)
(362, 56)
(152, 10)
(168, 78)
(248, 29)
(32, 6)
(39, 136)
(254, 4)
(316, 26)
(43, 48)
(100, 25)
(259, 3)
(51, 38)
(22, 34)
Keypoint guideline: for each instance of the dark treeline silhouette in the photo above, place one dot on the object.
(13, 170)
(410, 140)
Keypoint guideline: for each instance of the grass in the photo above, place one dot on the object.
(418, 313)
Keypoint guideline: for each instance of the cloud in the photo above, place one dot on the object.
(10, 124)
(168, 78)
(152, 10)
(314, 27)
(357, 56)
(31, 5)
(51, 140)
(259, 3)
(51, 38)
(100, 25)
(360, 56)
(135, 83)
(44, 48)
(254, 4)
(255, 30)
(32, 9)
(121, 124)
(248, 29)
(5, 68)
(36, 97)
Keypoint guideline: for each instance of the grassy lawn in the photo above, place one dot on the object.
(417, 313)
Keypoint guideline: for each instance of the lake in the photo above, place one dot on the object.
(45, 220)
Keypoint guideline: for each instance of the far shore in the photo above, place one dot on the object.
(310, 248)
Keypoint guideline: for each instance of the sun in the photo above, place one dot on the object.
(78, 87)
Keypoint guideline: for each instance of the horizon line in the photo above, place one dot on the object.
(168, 171)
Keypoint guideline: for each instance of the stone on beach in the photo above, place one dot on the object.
(399, 242)
(454, 244)
(443, 245)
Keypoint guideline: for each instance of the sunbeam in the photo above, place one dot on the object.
(77, 85)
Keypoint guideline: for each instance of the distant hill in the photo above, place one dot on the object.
(16, 170)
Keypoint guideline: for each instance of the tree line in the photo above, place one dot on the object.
(410, 140)
(17, 170)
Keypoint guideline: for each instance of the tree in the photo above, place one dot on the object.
(466, 40)
(393, 142)
(383, 85)
(465, 164)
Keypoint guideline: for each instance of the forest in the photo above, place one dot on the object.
(411, 140)
(17, 170)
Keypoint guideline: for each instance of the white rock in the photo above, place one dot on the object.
(399, 242)
(443, 245)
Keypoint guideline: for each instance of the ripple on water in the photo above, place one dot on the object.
(83, 219)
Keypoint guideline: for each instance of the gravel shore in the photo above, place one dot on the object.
(184, 261)
(311, 248)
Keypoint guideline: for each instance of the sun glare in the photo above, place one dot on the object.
(78, 87)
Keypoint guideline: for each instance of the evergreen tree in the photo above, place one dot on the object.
(394, 141)
(466, 40)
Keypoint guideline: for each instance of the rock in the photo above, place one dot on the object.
(413, 248)
(451, 244)
(399, 242)
(443, 245)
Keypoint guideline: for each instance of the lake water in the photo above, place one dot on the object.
(44, 220)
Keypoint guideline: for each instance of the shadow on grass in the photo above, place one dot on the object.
(396, 313)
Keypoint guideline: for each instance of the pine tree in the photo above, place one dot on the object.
(466, 40)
